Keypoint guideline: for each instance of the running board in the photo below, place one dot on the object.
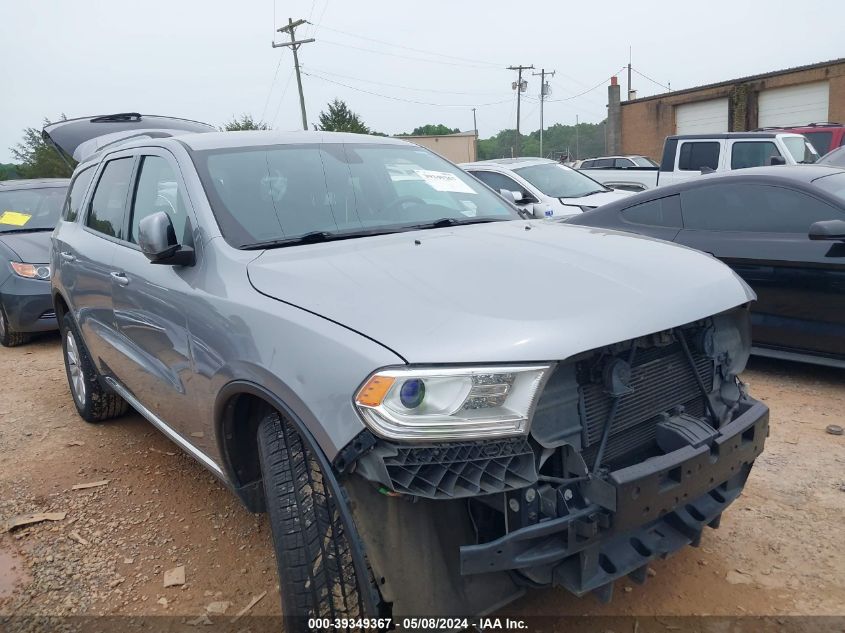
(172, 435)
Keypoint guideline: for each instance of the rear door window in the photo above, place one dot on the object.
(108, 206)
(753, 154)
(757, 208)
(696, 155)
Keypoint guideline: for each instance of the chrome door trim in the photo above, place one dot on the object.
(157, 422)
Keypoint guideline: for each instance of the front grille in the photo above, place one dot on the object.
(661, 379)
(461, 470)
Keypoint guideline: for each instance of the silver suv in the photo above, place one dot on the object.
(438, 403)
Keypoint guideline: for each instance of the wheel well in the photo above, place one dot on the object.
(239, 446)
(60, 306)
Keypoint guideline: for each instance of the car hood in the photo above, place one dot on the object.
(597, 199)
(31, 248)
(500, 292)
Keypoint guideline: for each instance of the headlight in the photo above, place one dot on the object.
(31, 271)
(451, 403)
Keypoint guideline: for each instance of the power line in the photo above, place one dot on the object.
(272, 85)
(429, 103)
(381, 83)
(650, 79)
(419, 59)
(416, 50)
(282, 98)
(581, 94)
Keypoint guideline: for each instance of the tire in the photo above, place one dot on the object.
(8, 337)
(317, 576)
(93, 402)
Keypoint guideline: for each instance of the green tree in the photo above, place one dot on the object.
(8, 171)
(432, 129)
(37, 159)
(245, 122)
(557, 140)
(339, 118)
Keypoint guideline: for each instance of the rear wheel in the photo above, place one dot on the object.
(313, 550)
(8, 337)
(93, 402)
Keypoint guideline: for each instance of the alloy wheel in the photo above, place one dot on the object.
(74, 366)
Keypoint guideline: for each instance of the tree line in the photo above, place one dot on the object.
(34, 158)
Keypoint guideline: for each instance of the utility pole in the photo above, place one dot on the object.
(544, 92)
(294, 46)
(577, 148)
(520, 87)
(475, 129)
(629, 73)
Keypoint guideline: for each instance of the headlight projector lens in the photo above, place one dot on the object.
(412, 393)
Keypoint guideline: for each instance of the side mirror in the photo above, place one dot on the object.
(158, 242)
(511, 196)
(777, 160)
(828, 230)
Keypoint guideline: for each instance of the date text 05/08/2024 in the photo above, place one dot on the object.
(380, 624)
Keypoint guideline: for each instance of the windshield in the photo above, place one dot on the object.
(834, 184)
(558, 181)
(800, 149)
(642, 161)
(284, 192)
(31, 209)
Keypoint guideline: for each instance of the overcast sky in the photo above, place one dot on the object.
(211, 59)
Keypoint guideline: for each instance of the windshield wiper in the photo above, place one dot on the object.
(315, 237)
(590, 193)
(32, 230)
(446, 222)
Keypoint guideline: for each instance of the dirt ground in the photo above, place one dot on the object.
(780, 549)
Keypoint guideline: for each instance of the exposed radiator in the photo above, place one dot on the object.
(661, 379)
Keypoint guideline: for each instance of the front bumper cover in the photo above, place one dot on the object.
(657, 507)
(28, 304)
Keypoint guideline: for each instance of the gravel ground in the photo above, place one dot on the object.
(779, 550)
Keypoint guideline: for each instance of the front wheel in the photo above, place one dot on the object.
(93, 402)
(8, 337)
(313, 551)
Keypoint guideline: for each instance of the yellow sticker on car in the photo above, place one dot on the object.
(15, 218)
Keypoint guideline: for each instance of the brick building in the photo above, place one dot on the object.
(791, 97)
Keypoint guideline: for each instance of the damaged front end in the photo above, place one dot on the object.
(631, 450)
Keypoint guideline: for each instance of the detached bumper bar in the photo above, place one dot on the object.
(658, 506)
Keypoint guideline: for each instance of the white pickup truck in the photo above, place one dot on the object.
(689, 155)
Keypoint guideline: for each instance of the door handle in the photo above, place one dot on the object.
(67, 256)
(120, 278)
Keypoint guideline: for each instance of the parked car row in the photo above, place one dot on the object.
(690, 155)
(335, 325)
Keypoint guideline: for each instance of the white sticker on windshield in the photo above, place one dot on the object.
(444, 181)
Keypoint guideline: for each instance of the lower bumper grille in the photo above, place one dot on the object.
(661, 379)
(461, 470)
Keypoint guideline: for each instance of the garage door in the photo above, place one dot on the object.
(703, 117)
(794, 105)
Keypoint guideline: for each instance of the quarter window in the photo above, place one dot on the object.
(109, 202)
(697, 155)
(661, 212)
(77, 191)
(753, 154)
(157, 189)
(759, 208)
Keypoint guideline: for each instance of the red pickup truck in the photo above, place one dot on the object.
(823, 136)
